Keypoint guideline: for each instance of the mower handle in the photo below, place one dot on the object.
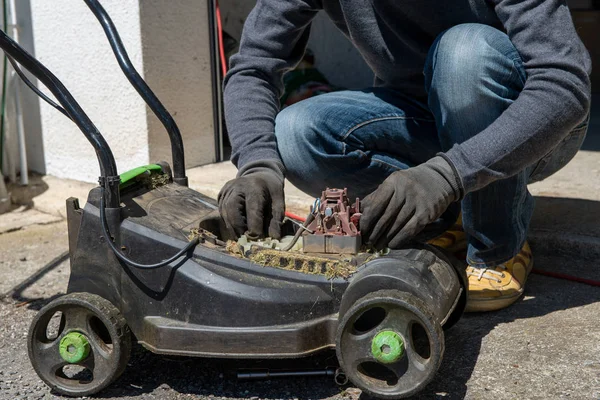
(143, 89)
(108, 167)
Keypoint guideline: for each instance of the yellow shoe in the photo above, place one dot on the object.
(495, 288)
(454, 240)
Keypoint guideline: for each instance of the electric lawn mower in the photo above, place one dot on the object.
(152, 261)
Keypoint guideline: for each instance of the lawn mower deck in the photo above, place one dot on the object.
(215, 303)
(212, 303)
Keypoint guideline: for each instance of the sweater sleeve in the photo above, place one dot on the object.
(555, 98)
(273, 42)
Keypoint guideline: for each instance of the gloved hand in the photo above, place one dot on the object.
(407, 201)
(253, 203)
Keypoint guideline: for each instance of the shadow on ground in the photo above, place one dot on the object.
(206, 377)
(24, 195)
(35, 303)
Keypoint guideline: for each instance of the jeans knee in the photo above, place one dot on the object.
(304, 145)
(301, 133)
(291, 131)
(285, 126)
(468, 63)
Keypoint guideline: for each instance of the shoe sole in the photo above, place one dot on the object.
(496, 303)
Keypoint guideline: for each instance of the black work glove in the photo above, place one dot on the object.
(407, 201)
(253, 203)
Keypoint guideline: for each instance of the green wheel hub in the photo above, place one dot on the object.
(387, 347)
(74, 347)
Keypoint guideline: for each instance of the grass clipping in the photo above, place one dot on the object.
(292, 261)
(153, 180)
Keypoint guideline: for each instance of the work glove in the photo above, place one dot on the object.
(407, 201)
(253, 203)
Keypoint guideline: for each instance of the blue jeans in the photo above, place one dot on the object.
(355, 139)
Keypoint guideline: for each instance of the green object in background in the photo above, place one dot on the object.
(74, 347)
(131, 174)
(387, 347)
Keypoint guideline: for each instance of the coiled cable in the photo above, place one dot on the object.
(128, 261)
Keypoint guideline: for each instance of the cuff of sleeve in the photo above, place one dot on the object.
(453, 176)
(473, 175)
(270, 166)
(253, 153)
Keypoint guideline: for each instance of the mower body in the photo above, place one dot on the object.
(213, 303)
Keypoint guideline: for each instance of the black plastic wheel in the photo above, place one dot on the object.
(389, 345)
(79, 344)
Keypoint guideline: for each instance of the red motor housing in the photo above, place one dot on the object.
(336, 225)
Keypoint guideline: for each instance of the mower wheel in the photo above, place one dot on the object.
(79, 344)
(389, 345)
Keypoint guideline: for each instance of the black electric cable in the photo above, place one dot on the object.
(37, 91)
(143, 89)
(126, 260)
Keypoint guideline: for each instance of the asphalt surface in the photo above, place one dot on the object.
(546, 346)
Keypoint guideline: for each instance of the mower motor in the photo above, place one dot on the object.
(335, 227)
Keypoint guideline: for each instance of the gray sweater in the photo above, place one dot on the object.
(394, 37)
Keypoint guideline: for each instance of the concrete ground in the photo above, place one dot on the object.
(545, 346)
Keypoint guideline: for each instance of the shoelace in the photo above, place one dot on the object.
(487, 273)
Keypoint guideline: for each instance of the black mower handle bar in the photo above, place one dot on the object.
(108, 167)
(143, 89)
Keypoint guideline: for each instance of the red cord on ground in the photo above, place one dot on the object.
(566, 277)
(220, 38)
(294, 216)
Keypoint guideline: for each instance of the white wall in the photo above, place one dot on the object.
(166, 41)
(71, 43)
